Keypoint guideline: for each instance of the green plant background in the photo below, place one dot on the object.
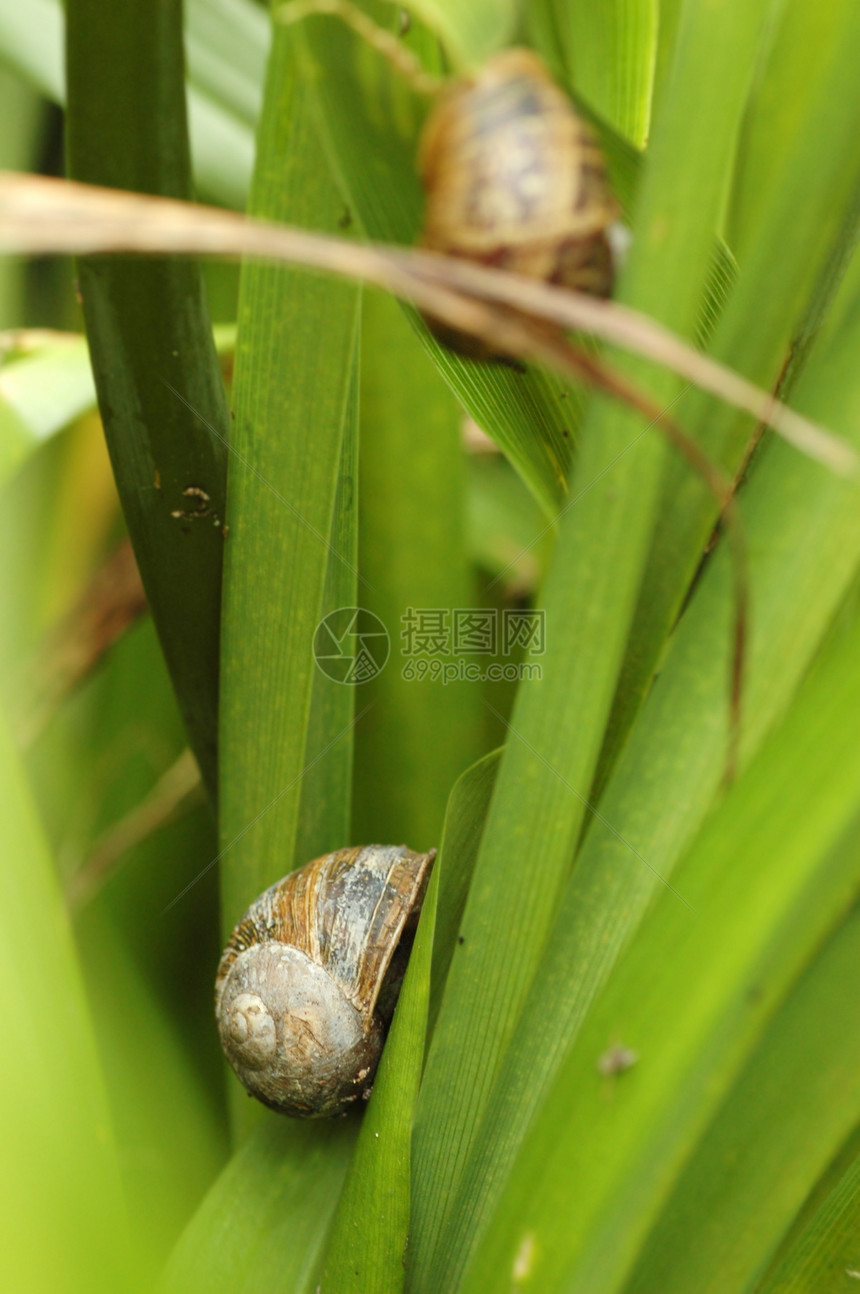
(598, 885)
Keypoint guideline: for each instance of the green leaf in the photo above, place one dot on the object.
(263, 1223)
(64, 1221)
(324, 817)
(16, 439)
(293, 396)
(540, 797)
(667, 35)
(422, 731)
(51, 387)
(609, 53)
(624, 165)
(800, 234)
(508, 536)
(795, 76)
(788, 1113)
(368, 1245)
(159, 385)
(820, 1251)
(156, 1095)
(147, 961)
(470, 30)
(803, 529)
(464, 825)
(772, 872)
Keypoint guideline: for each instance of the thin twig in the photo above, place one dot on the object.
(40, 216)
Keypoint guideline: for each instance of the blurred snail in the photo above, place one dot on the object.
(513, 175)
(310, 976)
(515, 179)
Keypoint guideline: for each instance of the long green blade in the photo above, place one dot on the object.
(820, 1251)
(293, 395)
(423, 730)
(470, 29)
(263, 1223)
(791, 1109)
(803, 528)
(159, 385)
(63, 1212)
(801, 225)
(539, 801)
(769, 876)
(371, 1230)
(609, 52)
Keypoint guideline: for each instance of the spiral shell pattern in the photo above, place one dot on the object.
(309, 977)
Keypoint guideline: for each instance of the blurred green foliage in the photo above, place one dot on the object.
(624, 1060)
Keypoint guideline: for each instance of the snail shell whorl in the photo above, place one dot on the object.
(310, 975)
(515, 179)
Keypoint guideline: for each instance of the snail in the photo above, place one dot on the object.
(513, 176)
(310, 976)
(514, 179)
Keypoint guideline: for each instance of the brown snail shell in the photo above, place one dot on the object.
(515, 179)
(308, 981)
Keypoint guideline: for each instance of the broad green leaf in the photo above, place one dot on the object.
(800, 233)
(667, 34)
(820, 1251)
(795, 75)
(293, 393)
(263, 1223)
(16, 439)
(52, 384)
(464, 824)
(371, 1227)
(157, 376)
(772, 872)
(609, 53)
(147, 960)
(509, 538)
(470, 30)
(803, 529)
(170, 1136)
(788, 1113)
(422, 731)
(63, 1214)
(370, 1234)
(325, 817)
(824, 294)
(557, 725)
